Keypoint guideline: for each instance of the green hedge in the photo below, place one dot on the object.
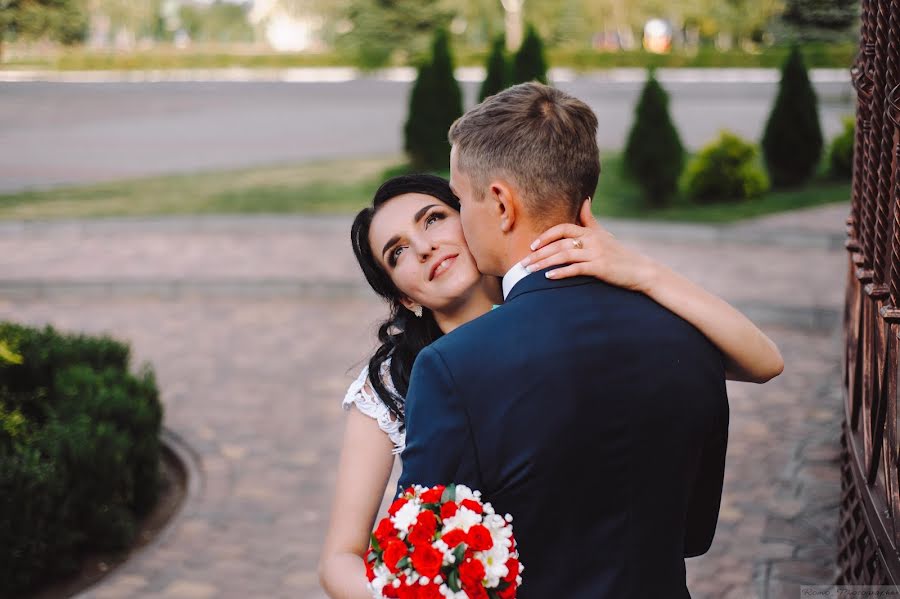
(840, 154)
(79, 451)
(725, 170)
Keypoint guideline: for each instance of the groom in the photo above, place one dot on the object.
(595, 417)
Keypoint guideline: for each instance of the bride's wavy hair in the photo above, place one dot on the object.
(402, 335)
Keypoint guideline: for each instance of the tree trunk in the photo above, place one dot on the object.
(514, 24)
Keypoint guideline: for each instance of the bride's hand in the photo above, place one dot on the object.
(590, 250)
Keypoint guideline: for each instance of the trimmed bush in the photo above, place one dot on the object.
(727, 169)
(529, 63)
(497, 78)
(79, 451)
(792, 142)
(840, 155)
(654, 156)
(435, 102)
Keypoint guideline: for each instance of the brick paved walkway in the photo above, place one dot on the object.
(255, 327)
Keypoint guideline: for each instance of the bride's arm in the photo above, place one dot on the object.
(363, 473)
(748, 353)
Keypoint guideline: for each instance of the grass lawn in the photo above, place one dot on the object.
(343, 187)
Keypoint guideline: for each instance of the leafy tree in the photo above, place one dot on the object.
(792, 142)
(497, 78)
(63, 21)
(378, 29)
(821, 19)
(435, 102)
(529, 63)
(654, 155)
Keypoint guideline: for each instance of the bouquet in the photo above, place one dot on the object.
(443, 542)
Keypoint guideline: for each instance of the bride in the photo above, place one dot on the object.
(411, 248)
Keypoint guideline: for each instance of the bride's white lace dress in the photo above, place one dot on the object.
(363, 396)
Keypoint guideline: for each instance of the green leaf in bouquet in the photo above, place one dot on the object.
(371, 557)
(459, 553)
(449, 494)
(403, 563)
(453, 581)
(375, 544)
(493, 594)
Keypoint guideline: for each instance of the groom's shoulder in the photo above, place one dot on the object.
(471, 336)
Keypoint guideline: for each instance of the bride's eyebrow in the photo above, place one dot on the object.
(416, 218)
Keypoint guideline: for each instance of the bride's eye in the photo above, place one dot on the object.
(433, 218)
(395, 253)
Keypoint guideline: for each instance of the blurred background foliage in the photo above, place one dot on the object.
(377, 33)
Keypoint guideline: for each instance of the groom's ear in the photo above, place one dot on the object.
(504, 204)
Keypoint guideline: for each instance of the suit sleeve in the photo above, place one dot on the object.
(437, 430)
(703, 509)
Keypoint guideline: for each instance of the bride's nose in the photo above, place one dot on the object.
(423, 247)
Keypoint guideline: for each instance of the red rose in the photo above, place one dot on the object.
(513, 565)
(385, 531)
(476, 592)
(471, 573)
(390, 592)
(454, 537)
(370, 570)
(430, 591)
(393, 553)
(479, 538)
(424, 528)
(398, 503)
(407, 592)
(427, 560)
(433, 495)
(472, 505)
(448, 510)
(509, 592)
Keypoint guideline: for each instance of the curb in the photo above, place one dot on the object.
(189, 462)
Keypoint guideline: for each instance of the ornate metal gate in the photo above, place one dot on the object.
(870, 506)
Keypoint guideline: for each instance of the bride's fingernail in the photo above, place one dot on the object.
(535, 245)
(550, 274)
(525, 261)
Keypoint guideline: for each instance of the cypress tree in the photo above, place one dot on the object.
(497, 78)
(435, 102)
(529, 63)
(792, 142)
(654, 155)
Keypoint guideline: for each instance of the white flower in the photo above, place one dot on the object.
(463, 492)
(464, 519)
(406, 516)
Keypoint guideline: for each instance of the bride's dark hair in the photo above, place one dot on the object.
(403, 335)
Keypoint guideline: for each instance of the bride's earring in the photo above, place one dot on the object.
(417, 310)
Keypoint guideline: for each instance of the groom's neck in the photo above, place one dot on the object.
(518, 248)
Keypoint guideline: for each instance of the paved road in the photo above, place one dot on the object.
(58, 133)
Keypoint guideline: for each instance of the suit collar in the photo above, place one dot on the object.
(538, 281)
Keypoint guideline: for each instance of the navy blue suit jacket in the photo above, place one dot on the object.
(594, 416)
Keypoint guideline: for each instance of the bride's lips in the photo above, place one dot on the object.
(437, 265)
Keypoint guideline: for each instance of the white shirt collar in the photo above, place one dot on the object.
(515, 274)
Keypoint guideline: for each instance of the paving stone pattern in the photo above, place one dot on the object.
(255, 327)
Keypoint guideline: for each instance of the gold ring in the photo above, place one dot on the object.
(577, 244)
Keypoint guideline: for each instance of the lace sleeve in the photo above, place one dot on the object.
(363, 396)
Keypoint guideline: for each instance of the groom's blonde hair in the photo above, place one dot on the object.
(540, 137)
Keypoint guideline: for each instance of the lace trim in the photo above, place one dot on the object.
(363, 396)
